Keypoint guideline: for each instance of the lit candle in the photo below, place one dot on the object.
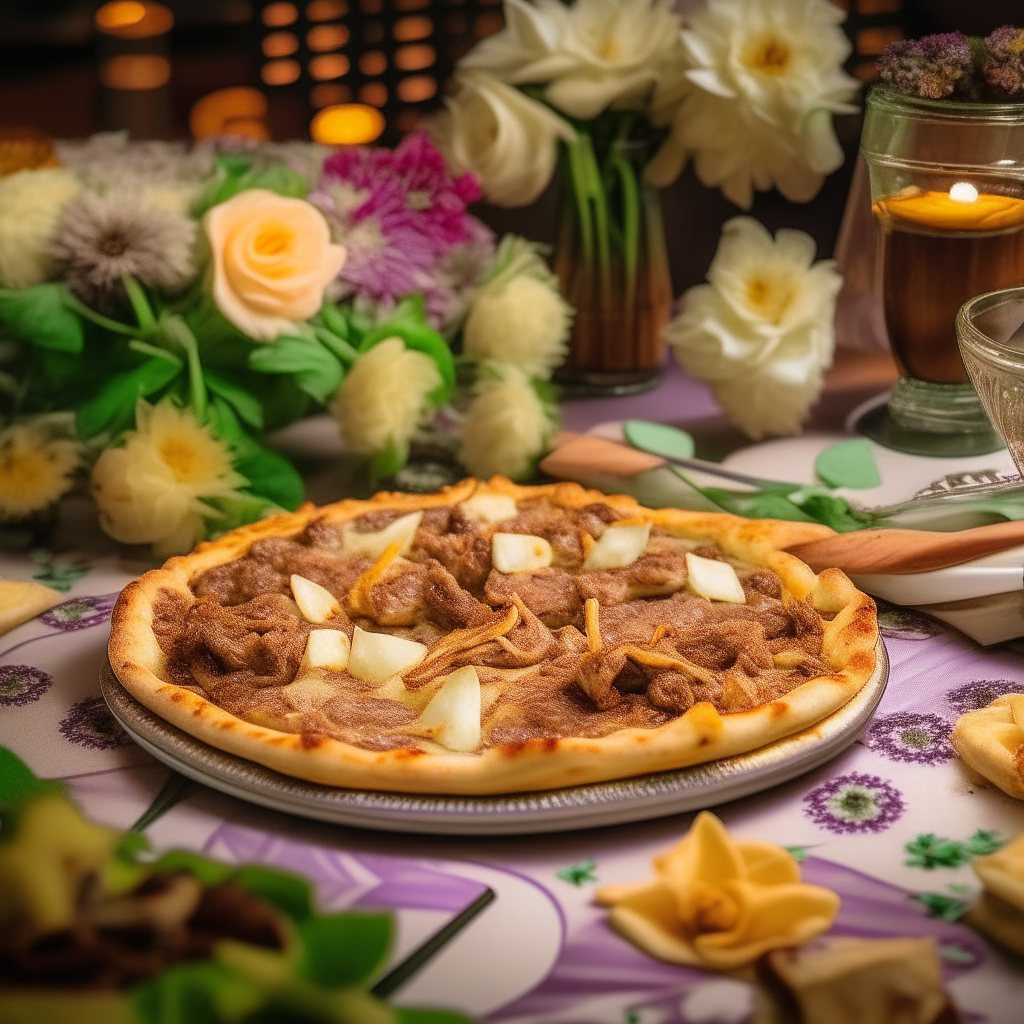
(962, 208)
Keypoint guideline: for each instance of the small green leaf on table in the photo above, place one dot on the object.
(659, 439)
(849, 464)
(578, 874)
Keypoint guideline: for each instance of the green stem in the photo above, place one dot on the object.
(597, 196)
(154, 352)
(196, 384)
(79, 307)
(580, 189)
(630, 227)
(338, 346)
(140, 304)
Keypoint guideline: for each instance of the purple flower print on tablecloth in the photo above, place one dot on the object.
(90, 724)
(79, 613)
(979, 693)
(910, 737)
(854, 803)
(22, 684)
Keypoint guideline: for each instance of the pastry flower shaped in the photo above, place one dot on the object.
(719, 904)
(991, 741)
(764, 81)
(761, 331)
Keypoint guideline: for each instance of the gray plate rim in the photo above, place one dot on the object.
(575, 807)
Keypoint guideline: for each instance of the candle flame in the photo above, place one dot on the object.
(963, 192)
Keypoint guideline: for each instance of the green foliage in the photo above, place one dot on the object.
(18, 784)
(946, 907)
(113, 408)
(272, 476)
(62, 576)
(235, 174)
(316, 370)
(289, 893)
(40, 316)
(344, 949)
(849, 464)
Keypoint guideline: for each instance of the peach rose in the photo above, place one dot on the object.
(272, 259)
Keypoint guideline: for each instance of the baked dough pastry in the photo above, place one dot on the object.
(991, 741)
(493, 638)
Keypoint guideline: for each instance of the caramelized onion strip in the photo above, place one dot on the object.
(457, 642)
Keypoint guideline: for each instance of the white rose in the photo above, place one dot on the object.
(761, 332)
(509, 141)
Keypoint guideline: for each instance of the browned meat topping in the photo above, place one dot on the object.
(658, 649)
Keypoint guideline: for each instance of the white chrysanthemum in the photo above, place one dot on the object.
(761, 332)
(507, 426)
(765, 80)
(30, 206)
(519, 315)
(35, 469)
(385, 397)
(592, 55)
(149, 491)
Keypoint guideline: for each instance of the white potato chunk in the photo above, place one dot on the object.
(379, 656)
(714, 580)
(618, 547)
(316, 603)
(373, 545)
(452, 718)
(519, 552)
(326, 648)
(489, 509)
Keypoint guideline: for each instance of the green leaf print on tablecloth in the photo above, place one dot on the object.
(930, 851)
(947, 907)
(579, 874)
(61, 577)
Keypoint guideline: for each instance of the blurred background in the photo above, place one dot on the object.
(353, 71)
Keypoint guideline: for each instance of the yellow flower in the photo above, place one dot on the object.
(35, 470)
(30, 207)
(506, 427)
(272, 259)
(385, 397)
(149, 490)
(719, 904)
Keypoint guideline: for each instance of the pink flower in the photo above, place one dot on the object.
(401, 214)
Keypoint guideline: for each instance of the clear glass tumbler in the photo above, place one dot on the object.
(989, 330)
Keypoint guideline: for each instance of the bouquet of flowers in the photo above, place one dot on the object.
(162, 309)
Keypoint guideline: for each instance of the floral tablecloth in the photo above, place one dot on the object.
(890, 825)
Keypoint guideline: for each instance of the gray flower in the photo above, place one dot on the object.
(102, 238)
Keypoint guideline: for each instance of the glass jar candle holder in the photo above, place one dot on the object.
(991, 341)
(947, 193)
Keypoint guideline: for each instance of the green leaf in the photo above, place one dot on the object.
(235, 174)
(407, 1015)
(849, 464)
(834, 511)
(224, 423)
(659, 439)
(335, 320)
(344, 949)
(578, 874)
(18, 783)
(946, 908)
(39, 315)
(759, 505)
(209, 872)
(197, 993)
(929, 851)
(315, 370)
(984, 842)
(287, 892)
(247, 407)
(272, 476)
(390, 460)
(114, 407)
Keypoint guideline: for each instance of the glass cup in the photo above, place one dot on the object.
(987, 327)
(947, 193)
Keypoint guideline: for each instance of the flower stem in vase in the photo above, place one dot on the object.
(612, 262)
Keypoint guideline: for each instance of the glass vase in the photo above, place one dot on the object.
(612, 263)
(947, 193)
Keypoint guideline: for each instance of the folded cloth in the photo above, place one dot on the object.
(999, 911)
(991, 741)
(21, 601)
(845, 980)
(719, 903)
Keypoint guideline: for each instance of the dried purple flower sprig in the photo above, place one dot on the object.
(950, 65)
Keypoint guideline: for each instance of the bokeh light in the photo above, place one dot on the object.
(347, 124)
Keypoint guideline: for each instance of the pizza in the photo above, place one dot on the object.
(493, 638)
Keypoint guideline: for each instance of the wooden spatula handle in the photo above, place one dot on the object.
(906, 551)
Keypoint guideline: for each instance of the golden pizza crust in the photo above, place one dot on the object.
(699, 735)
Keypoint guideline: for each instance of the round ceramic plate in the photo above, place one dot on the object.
(557, 810)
